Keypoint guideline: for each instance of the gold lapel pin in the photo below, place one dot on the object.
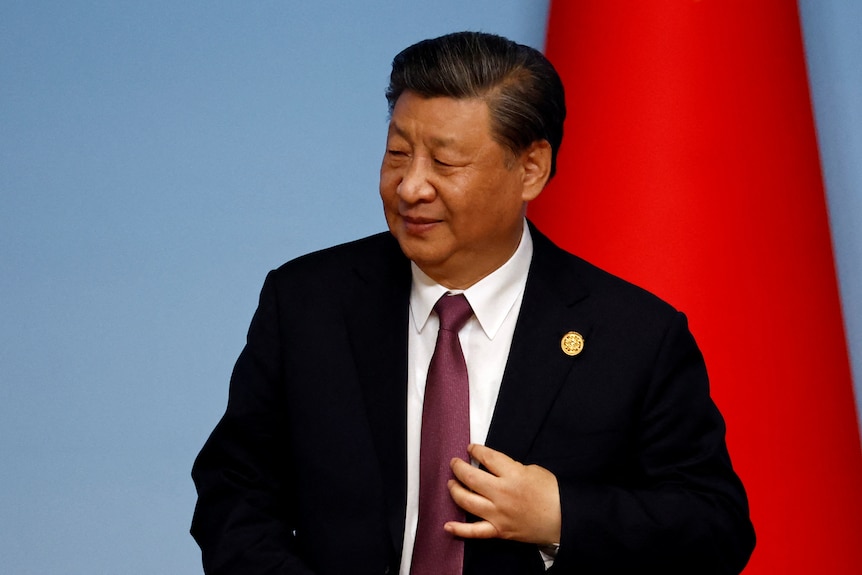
(572, 343)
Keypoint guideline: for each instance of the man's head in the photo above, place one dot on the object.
(523, 92)
(474, 124)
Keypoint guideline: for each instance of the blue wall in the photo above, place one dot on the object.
(834, 53)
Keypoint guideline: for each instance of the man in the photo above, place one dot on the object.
(593, 444)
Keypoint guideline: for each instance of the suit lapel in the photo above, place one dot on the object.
(537, 366)
(376, 312)
(376, 309)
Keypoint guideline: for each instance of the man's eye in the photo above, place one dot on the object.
(440, 162)
(398, 153)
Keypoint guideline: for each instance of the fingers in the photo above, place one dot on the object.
(477, 530)
(471, 501)
(514, 501)
(494, 461)
(471, 477)
(484, 482)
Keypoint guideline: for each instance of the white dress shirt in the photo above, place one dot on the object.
(485, 340)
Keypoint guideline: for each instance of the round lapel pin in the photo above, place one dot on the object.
(572, 343)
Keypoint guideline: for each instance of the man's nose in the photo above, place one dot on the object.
(415, 186)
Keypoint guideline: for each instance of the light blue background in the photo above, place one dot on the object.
(156, 160)
(833, 43)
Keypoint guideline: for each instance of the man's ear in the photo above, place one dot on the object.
(536, 163)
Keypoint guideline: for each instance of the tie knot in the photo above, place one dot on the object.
(453, 311)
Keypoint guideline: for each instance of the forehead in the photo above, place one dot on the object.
(440, 118)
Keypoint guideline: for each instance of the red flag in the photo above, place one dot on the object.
(690, 167)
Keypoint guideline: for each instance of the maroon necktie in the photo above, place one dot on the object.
(445, 434)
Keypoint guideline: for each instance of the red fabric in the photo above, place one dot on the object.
(690, 167)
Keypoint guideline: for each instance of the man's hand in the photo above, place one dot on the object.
(515, 501)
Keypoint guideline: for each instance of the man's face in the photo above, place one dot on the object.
(453, 197)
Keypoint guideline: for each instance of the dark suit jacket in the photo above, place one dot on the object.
(305, 473)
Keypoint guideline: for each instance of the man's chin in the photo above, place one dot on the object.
(425, 254)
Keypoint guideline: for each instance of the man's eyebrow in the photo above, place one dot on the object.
(436, 141)
(393, 127)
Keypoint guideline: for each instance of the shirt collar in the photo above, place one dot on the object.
(491, 298)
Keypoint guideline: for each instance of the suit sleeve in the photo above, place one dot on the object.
(686, 510)
(243, 516)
